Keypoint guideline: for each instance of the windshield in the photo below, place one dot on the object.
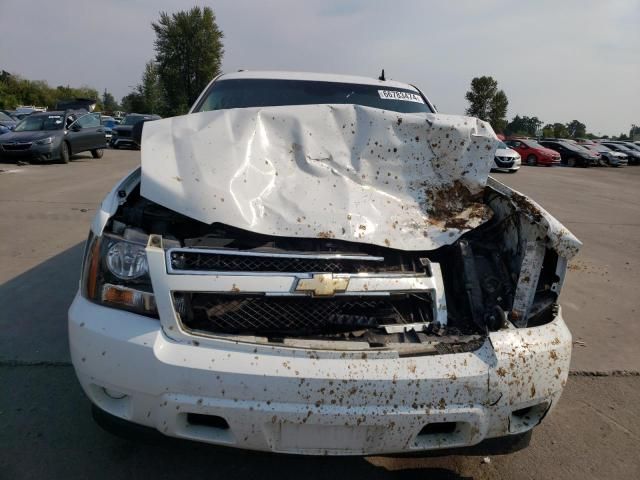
(532, 144)
(35, 123)
(502, 145)
(245, 93)
(617, 146)
(132, 119)
(5, 118)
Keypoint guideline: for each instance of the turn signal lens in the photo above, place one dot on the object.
(129, 298)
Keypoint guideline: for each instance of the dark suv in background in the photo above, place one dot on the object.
(571, 154)
(54, 135)
(121, 134)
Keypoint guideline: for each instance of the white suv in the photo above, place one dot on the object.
(320, 264)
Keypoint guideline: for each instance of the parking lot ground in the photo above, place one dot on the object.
(46, 429)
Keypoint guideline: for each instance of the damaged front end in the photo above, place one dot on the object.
(409, 311)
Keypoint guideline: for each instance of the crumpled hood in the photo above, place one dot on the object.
(408, 181)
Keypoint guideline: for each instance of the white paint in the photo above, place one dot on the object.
(342, 171)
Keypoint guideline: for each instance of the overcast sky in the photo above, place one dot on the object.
(557, 60)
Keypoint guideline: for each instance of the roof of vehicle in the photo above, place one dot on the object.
(142, 115)
(51, 112)
(320, 77)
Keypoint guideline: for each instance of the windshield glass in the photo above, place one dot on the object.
(132, 119)
(5, 118)
(34, 123)
(245, 93)
(617, 146)
(502, 145)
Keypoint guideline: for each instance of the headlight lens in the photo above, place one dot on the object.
(45, 141)
(127, 260)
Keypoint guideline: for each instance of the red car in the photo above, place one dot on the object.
(533, 153)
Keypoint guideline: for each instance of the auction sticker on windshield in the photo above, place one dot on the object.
(400, 95)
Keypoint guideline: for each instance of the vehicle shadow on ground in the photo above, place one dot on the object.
(33, 317)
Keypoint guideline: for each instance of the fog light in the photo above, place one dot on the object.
(113, 394)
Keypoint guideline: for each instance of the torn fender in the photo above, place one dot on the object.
(408, 181)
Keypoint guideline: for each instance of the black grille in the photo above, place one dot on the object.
(12, 147)
(123, 133)
(252, 314)
(505, 162)
(243, 263)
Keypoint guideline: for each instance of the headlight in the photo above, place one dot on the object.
(115, 273)
(127, 260)
(45, 141)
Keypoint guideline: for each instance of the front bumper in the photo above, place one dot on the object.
(118, 142)
(35, 152)
(303, 401)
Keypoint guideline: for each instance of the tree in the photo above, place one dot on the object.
(150, 89)
(487, 102)
(498, 111)
(560, 130)
(577, 129)
(523, 126)
(109, 102)
(189, 52)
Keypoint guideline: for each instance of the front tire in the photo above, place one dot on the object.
(532, 160)
(97, 153)
(65, 153)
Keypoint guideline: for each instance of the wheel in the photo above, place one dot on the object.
(571, 162)
(64, 153)
(97, 153)
(532, 160)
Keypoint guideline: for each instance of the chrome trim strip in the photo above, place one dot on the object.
(304, 256)
(242, 253)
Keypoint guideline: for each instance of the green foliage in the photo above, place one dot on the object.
(524, 126)
(109, 102)
(189, 52)
(576, 129)
(15, 91)
(487, 102)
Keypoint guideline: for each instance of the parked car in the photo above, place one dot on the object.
(571, 154)
(506, 159)
(108, 123)
(10, 114)
(610, 157)
(121, 134)
(320, 264)
(6, 121)
(633, 156)
(54, 135)
(533, 153)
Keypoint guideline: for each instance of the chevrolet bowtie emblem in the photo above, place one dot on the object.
(322, 284)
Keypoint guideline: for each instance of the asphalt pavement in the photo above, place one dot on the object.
(46, 430)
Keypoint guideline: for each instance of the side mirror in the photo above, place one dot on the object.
(136, 132)
(75, 127)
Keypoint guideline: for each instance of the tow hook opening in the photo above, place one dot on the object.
(438, 428)
(526, 418)
(439, 434)
(211, 421)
